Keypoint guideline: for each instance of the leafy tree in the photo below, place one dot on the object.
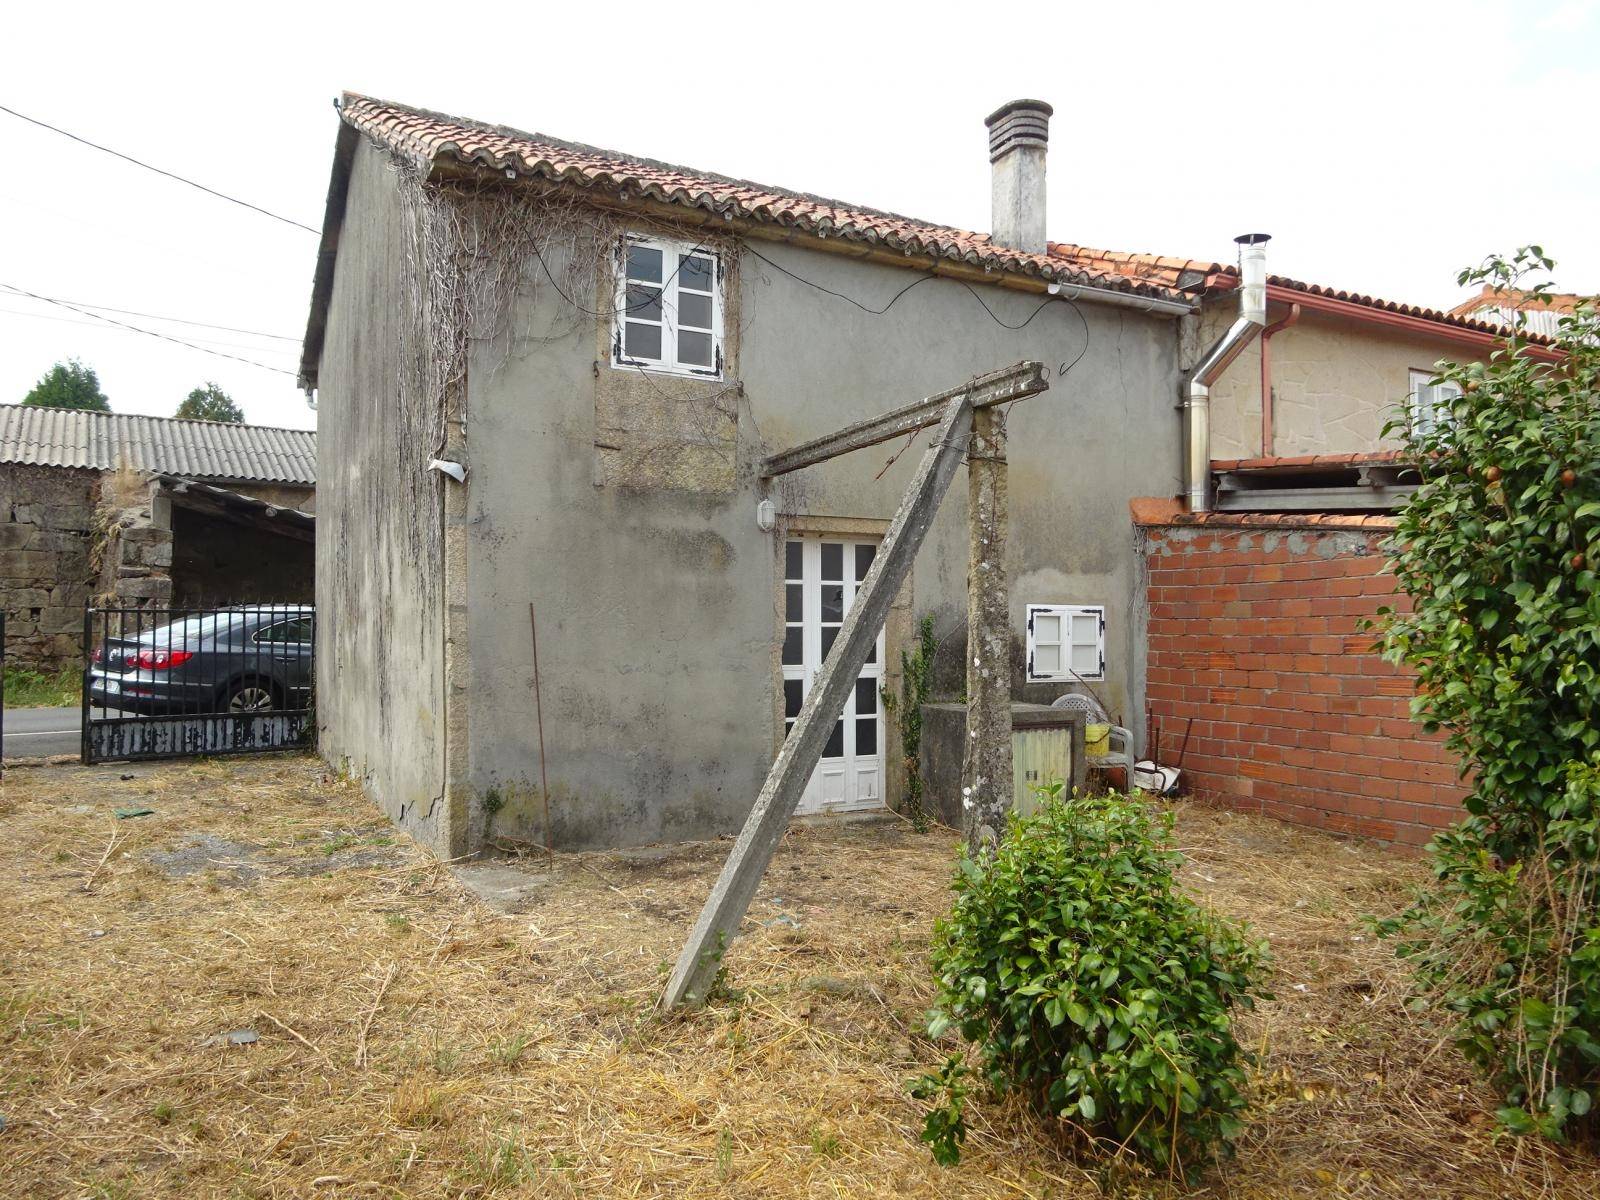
(210, 403)
(69, 385)
(1497, 551)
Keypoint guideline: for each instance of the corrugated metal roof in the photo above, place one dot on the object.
(66, 437)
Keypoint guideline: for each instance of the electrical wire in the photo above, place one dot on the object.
(83, 312)
(128, 312)
(95, 324)
(148, 167)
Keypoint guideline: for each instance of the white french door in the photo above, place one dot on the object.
(821, 577)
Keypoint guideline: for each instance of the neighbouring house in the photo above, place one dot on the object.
(141, 511)
(1538, 312)
(1262, 583)
(546, 374)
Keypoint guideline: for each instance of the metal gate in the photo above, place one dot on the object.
(175, 682)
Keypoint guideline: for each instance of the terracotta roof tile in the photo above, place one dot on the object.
(1273, 520)
(427, 139)
(1306, 460)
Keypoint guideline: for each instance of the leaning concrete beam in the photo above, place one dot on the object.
(997, 387)
(791, 771)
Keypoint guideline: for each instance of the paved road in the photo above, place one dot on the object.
(32, 732)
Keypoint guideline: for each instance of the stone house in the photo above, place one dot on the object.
(144, 511)
(546, 376)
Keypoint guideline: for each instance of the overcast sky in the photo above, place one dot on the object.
(1383, 145)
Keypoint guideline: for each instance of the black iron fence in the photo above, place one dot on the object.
(171, 682)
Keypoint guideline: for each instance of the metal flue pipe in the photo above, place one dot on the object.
(1251, 320)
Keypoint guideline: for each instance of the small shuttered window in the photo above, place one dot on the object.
(1429, 402)
(1066, 642)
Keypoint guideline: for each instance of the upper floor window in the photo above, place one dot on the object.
(669, 308)
(1429, 402)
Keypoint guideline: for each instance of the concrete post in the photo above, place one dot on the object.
(986, 770)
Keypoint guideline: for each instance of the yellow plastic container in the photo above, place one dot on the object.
(1096, 739)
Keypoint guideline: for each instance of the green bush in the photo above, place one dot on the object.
(1496, 551)
(1094, 986)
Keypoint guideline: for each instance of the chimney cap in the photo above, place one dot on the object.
(1253, 239)
(1013, 106)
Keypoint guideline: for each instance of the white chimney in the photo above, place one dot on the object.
(1018, 134)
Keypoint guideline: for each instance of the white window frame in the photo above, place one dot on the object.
(1427, 404)
(668, 363)
(1070, 615)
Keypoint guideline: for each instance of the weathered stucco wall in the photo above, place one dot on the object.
(379, 572)
(656, 605)
(1337, 384)
(47, 517)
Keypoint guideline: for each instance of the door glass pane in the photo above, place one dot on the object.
(833, 560)
(864, 557)
(833, 602)
(694, 272)
(792, 697)
(866, 697)
(644, 263)
(694, 310)
(694, 349)
(829, 632)
(835, 746)
(643, 341)
(793, 601)
(792, 647)
(866, 737)
(791, 560)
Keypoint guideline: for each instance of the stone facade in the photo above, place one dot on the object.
(47, 521)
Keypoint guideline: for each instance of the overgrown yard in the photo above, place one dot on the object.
(411, 1041)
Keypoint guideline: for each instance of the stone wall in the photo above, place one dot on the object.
(47, 517)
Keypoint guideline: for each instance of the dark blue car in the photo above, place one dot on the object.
(247, 659)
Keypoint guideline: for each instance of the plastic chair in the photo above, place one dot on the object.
(1119, 742)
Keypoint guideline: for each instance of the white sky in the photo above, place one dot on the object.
(1383, 145)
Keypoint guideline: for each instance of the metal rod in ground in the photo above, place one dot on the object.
(538, 709)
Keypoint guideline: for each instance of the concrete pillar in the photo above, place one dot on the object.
(986, 770)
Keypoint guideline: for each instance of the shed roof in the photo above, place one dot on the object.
(210, 450)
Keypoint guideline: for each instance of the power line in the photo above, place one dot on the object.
(148, 167)
(83, 312)
(95, 324)
(129, 312)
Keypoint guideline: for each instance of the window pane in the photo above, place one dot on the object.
(1086, 630)
(833, 602)
(788, 728)
(792, 647)
(864, 557)
(792, 697)
(1086, 660)
(694, 310)
(833, 560)
(791, 560)
(1046, 629)
(866, 736)
(694, 349)
(866, 697)
(794, 601)
(644, 302)
(1046, 660)
(642, 341)
(829, 632)
(872, 652)
(644, 263)
(694, 272)
(835, 746)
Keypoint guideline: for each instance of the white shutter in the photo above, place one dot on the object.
(1066, 642)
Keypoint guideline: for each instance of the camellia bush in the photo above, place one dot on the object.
(1091, 984)
(1497, 552)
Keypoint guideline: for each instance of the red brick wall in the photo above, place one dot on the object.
(1255, 633)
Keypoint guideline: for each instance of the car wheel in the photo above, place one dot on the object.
(250, 696)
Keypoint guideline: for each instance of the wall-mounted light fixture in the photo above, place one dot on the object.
(766, 516)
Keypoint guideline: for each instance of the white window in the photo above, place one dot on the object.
(1066, 642)
(669, 308)
(1430, 402)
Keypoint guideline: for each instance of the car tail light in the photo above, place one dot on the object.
(161, 660)
(99, 654)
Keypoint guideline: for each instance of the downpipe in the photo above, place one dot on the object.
(1252, 319)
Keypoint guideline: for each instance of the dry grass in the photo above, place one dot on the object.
(413, 1042)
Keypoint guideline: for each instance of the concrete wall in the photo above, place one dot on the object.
(1337, 384)
(1256, 633)
(656, 604)
(47, 517)
(379, 568)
